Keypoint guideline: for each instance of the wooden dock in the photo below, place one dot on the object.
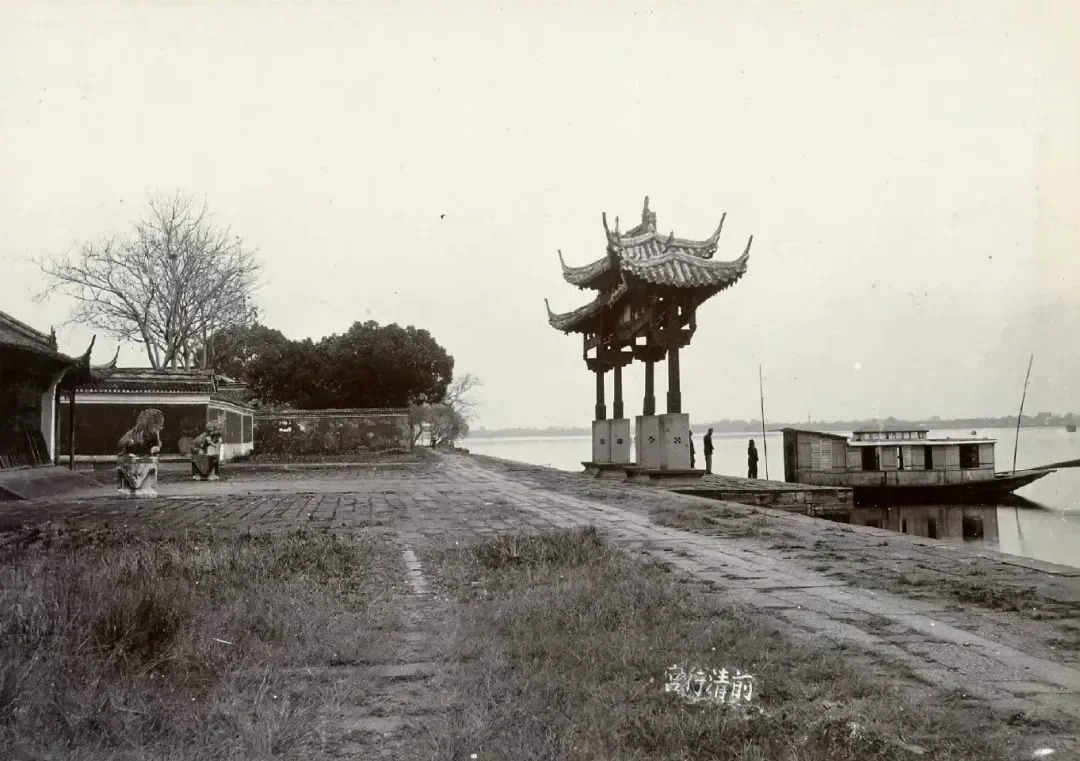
(829, 501)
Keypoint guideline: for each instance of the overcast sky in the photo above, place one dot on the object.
(908, 171)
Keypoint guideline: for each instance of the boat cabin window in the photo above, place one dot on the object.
(969, 455)
(928, 458)
(870, 460)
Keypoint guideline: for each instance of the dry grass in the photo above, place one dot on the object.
(563, 644)
(117, 646)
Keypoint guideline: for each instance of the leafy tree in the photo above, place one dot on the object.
(292, 374)
(386, 366)
(170, 283)
(234, 351)
(368, 366)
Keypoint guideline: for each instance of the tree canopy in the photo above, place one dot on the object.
(370, 365)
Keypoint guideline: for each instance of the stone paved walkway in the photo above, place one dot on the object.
(459, 498)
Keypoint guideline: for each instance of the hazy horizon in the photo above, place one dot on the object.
(908, 170)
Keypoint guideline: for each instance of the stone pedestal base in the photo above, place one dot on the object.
(619, 435)
(137, 476)
(610, 448)
(667, 478)
(607, 470)
(663, 442)
(647, 441)
(601, 442)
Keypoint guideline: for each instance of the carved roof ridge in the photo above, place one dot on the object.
(675, 254)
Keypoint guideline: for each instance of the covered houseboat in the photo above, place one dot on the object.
(901, 466)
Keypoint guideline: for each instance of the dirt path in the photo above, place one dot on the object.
(915, 635)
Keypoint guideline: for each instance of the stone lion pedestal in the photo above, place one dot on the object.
(137, 476)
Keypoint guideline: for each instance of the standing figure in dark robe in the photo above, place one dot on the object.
(751, 458)
(136, 462)
(708, 451)
(206, 453)
(691, 450)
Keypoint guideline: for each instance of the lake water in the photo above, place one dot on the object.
(1049, 531)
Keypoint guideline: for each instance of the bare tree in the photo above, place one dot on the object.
(446, 425)
(448, 420)
(170, 284)
(457, 395)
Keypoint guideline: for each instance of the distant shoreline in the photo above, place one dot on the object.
(753, 427)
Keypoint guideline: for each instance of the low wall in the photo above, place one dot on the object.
(309, 432)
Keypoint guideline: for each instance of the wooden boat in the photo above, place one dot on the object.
(1070, 428)
(902, 466)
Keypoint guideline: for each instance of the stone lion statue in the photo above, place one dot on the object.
(137, 457)
(145, 437)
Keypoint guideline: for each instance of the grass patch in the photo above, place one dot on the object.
(117, 646)
(418, 454)
(564, 641)
(721, 520)
(995, 596)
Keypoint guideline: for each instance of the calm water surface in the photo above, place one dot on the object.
(1048, 530)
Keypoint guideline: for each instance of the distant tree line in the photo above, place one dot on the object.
(369, 365)
(1042, 419)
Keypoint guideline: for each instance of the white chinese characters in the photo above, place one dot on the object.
(710, 685)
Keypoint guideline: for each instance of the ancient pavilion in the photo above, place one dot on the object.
(648, 287)
(32, 374)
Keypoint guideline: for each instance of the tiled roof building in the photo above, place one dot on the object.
(31, 372)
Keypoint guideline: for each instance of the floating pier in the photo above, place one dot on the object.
(830, 501)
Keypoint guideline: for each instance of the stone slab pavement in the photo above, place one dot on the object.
(461, 498)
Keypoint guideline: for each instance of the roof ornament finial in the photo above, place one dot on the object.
(607, 230)
(561, 260)
(746, 252)
(648, 218)
(716, 235)
(550, 313)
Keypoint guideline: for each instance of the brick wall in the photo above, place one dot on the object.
(306, 432)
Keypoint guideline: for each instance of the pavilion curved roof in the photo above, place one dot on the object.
(644, 245)
(681, 269)
(645, 258)
(567, 321)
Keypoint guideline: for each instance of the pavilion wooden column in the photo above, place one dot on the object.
(601, 408)
(674, 395)
(56, 427)
(71, 429)
(617, 404)
(674, 392)
(648, 406)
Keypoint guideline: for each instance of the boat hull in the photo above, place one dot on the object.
(987, 492)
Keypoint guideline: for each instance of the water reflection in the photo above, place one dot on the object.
(965, 522)
(1022, 527)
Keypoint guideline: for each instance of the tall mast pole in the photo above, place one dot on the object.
(1016, 443)
(765, 441)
